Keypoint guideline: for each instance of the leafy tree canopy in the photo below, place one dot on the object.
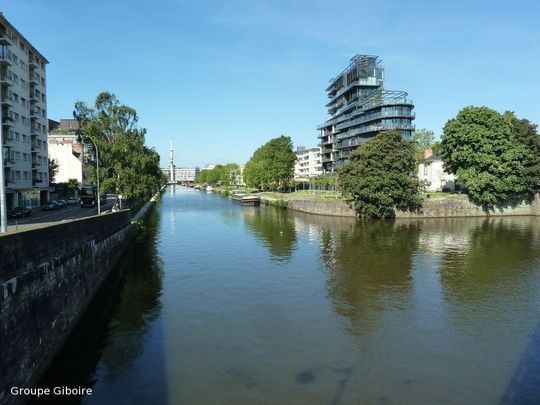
(53, 169)
(224, 175)
(272, 165)
(525, 132)
(379, 176)
(126, 164)
(479, 147)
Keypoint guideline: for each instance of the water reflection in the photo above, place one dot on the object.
(497, 252)
(370, 268)
(134, 321)
(139, 303)
(274, 228)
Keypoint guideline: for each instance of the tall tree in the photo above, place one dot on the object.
(272, 165)
(126, 164)
(479, 147)
(53, 169)
(379, 176)
(525, 132)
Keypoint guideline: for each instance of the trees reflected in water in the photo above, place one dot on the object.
(369, 267)
(139, 302)
(498, 253)
(274, 228)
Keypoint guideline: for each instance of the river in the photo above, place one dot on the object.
(220, 304)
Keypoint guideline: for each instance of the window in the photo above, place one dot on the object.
(25, 157)
(426, 169)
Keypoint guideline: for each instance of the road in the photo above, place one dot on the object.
(41, 218)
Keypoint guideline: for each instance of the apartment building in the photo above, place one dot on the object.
(183, 174)
(24, 118)
(360, 107)
(308, 163)
(64, 147)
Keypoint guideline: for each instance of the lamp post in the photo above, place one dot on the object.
(97, 175)
(3, 217)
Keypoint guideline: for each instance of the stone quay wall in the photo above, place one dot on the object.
(454, 205)
(48, 277)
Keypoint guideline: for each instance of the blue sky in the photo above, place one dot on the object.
(223, 77)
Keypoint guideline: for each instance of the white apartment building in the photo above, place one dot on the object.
(68, 153)
(23, 117)
(182, 174)
(308, 163)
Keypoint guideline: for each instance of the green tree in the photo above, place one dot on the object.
(201, 178)
(214, 175)
(126, 164)
(379, 176)
(53, 169)
(422, 139)
(272, 165)
(479, 147)
(526, 133)
(73, 186)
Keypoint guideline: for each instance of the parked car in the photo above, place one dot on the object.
(61, 203)
(19, 212)
(72, 201)
(49, 206)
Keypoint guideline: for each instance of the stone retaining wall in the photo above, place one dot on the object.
(440, 207)
(48, 276)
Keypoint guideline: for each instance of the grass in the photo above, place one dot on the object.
(303, 195)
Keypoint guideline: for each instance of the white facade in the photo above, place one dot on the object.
(24, 118)
(67, 152)
(433, 175)
(308, 163)
(186, 173)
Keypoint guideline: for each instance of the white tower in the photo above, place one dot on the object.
(171, 164)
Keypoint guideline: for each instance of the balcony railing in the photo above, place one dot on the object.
(4, 39)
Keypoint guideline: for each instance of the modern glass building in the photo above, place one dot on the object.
(359, 109)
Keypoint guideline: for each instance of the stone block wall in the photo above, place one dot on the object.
(48, 276)
(441, 207)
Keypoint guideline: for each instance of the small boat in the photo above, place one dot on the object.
(246, 199)
(209, 188)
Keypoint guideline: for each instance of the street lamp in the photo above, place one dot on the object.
(3, 217)
(97, 175)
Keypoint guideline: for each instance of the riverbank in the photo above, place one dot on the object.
(443, 206)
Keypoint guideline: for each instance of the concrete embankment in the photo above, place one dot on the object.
(48, 277)
(441, 207)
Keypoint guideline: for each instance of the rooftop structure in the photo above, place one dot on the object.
(359, 109)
